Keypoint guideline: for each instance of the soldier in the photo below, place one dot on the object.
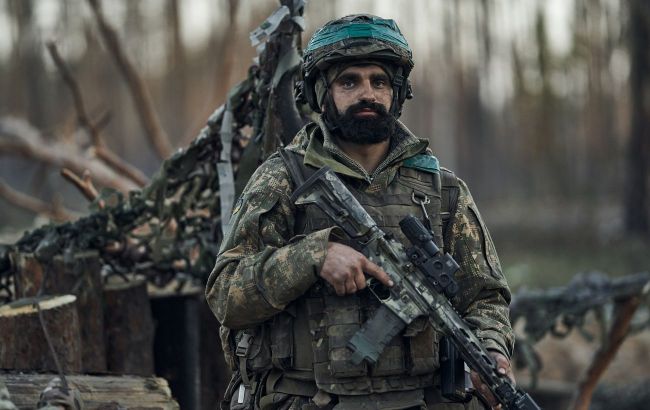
(287, 289)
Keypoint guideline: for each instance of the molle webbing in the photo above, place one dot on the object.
(410, 360)
(449, 193)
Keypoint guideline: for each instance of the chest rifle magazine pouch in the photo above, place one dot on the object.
(343, 319)
(423, 343)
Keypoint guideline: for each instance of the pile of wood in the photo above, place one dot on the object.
(93, 327)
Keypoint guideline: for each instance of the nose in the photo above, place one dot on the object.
(367, 91)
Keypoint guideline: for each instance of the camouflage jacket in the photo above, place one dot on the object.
(262, 267)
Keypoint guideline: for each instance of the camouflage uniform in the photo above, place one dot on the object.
(266, 263)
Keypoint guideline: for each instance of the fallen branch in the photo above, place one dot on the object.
(17, 137)
(101, 150)
(136, 85)
(24, 201)
(84, 184)
(624, 312)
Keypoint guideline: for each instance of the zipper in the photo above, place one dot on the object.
(358, 167)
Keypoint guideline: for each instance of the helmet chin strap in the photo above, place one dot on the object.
(332, 124)
(330, 110)
(398, 84)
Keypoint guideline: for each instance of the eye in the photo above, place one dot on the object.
(380, 83)
(347, 83)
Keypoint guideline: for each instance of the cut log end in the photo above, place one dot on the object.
(23, 340)
(27, 306)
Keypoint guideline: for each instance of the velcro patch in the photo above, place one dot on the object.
(422, 162)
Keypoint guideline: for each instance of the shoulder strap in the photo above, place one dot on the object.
(294, 166)
(294, 162)
(449, 195)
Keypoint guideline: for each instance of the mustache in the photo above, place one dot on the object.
(378, 108)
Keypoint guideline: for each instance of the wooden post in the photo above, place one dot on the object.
(23, 343)
(129, 328)
(81, 277)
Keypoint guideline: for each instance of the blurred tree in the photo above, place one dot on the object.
(637, 197)
(27, 64)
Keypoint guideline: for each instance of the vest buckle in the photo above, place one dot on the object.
(244, 345)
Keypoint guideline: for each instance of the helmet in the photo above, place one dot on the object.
(360, 38)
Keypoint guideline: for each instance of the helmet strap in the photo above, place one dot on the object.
(399, 85)
(330, 114)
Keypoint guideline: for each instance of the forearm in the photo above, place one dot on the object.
(488, 315)
(484, 295)
(244, 291)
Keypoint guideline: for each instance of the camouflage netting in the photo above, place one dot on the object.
(558, 311)
(173, 227)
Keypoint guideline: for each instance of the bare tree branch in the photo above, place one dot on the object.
(18, 137)
(122, 167)
(84, 184)
(79, 106)
(139, 93)
(22, 200)
(101, 150)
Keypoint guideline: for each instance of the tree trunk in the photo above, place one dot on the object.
(637, 197)
(129, 328)
(23, 341)
(80, 277)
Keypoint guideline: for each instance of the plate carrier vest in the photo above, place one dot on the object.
(307, 341)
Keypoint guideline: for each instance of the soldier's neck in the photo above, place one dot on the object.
(369, 156)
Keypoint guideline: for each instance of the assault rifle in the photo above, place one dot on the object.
(422, 277)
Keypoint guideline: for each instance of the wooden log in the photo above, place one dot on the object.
(82, 277)
(97, 392)
(23, 343)
(129, 328)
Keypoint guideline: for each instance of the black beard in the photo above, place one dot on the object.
(363, 131)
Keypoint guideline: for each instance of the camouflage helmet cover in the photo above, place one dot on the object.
(363, 39)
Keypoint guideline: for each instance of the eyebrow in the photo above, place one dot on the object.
(348, 76)
(355, 76)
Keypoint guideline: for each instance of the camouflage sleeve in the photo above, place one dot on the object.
(484, 294)
(260, 267)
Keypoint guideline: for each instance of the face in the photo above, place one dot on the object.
(356, 84)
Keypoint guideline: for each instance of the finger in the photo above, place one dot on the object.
(350, 285)
(372, 269)
(503, 365)
(360, 280)
(339, 288)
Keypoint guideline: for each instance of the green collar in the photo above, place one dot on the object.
(320, 150)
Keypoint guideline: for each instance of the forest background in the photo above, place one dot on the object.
(538, 105)
(543, 107)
